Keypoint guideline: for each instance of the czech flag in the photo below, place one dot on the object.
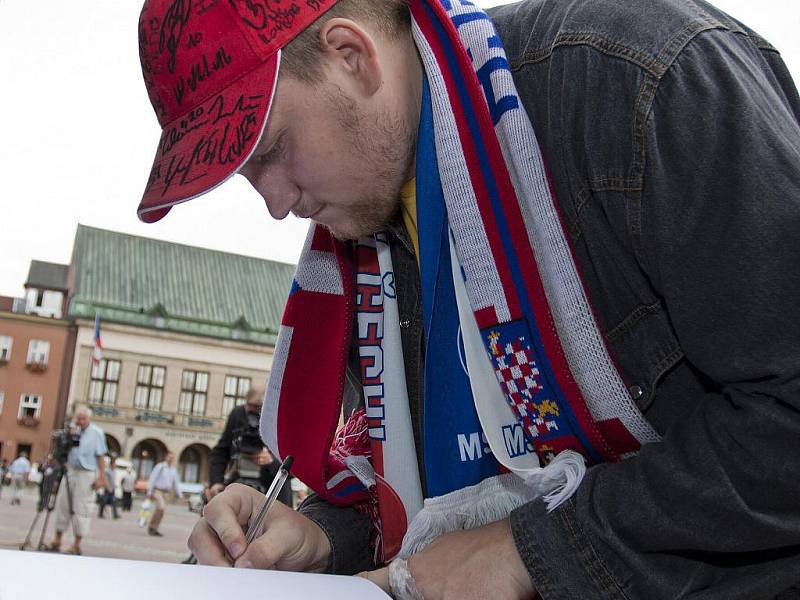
(97, 355)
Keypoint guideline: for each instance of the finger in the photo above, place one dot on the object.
(206, 546)
(227, 513)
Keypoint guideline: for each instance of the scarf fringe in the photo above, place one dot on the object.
(493, 499)
(560, 479)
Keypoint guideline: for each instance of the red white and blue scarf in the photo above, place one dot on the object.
(519, 385)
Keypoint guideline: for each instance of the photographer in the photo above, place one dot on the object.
(85, 474)
(241, 456)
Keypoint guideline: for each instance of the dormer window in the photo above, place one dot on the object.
(45, 303)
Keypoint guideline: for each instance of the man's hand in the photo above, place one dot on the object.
(479, 563)
(213, 490)
(99, 484)
(288, 540)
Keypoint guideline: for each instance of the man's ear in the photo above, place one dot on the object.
(350, 51)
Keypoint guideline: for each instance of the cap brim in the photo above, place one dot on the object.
(203, 148)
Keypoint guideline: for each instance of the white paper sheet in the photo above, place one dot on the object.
(42, 576)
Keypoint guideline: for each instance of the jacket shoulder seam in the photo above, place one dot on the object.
(655, 65)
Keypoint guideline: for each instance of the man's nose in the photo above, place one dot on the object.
(279, 193)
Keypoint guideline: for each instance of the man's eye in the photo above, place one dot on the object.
(274, 154)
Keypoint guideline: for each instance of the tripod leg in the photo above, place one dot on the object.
(24, 544)
(47, 492)
(41, 545)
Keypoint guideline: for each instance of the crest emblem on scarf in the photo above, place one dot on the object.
(524, 382)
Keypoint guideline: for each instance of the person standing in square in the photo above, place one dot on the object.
(19, 471)
(163, 482)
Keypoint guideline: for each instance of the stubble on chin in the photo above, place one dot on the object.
(365, 225)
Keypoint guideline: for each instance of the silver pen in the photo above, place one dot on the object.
(269, 499)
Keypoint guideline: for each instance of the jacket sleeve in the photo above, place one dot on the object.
(348, 532)
(221, 453)
(712, 510)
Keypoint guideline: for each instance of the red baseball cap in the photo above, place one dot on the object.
(211, 68)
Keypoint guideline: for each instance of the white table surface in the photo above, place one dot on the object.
(41, 576)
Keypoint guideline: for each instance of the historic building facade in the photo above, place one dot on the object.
(156, 391)
(185, 333)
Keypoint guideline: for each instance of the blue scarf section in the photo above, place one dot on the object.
(454, 447)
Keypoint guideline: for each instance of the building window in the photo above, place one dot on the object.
(6, 342)
(149, 387)
(38, 351)
(194, 389)
(2, 399)
(105, 378)
(52, 302)
(236, 389)
(45, 303)
(29, 406)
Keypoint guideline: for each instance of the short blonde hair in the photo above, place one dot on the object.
(301, 57)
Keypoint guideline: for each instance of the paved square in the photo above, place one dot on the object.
(120, 538)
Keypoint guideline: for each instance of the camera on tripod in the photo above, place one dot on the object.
(245, 448)
(63, 441)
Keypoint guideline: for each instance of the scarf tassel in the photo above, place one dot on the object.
(493, 499)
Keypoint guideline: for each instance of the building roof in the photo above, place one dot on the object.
(157, 284)
(47, 276)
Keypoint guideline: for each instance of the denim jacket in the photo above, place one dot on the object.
(672, 138)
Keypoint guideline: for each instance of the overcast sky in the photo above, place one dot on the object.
(77, 136)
